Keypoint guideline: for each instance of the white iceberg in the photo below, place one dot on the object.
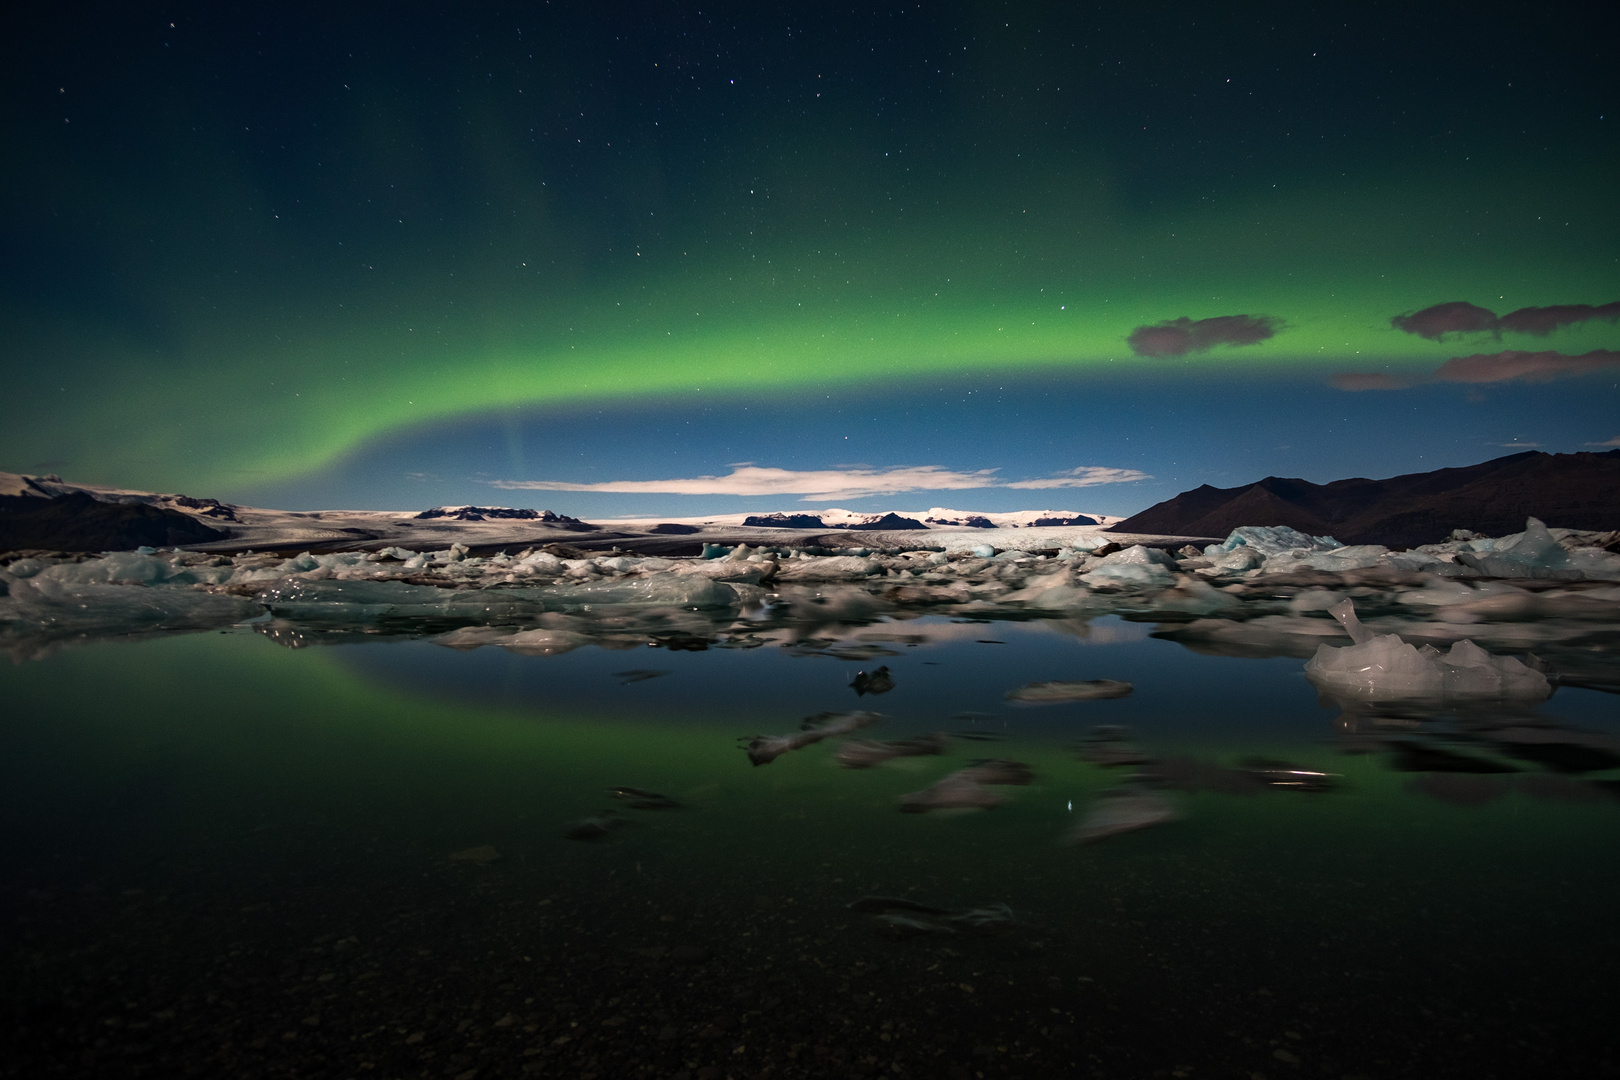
(1382, 667)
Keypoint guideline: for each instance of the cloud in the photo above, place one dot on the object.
(1178, 337)
(1612, 442)
(1515, 366)
(826, 485)
(1460, 317)
(1542, 321)
(1085, 476)
(1520, 445)
(1508, 366)
(1452, 317)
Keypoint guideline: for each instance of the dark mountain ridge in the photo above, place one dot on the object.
(79, 522)
(1572, 491)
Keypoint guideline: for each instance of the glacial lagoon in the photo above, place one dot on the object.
(415, 844)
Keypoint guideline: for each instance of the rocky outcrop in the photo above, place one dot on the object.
(1071, 519)
(884, 523)
(495, 513)
(784, 521)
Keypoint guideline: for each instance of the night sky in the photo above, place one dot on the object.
(757, 256)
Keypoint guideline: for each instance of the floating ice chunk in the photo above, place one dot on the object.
(1382, 667)
(1140, 576)
(968, 788)
(1051, 592)
(366, 601)
(1268, 540)
(764, 749)
(833, 568)
(1192, 596)
(672, 590)
(1314, 600)
(544, 642)
(1136, 565)
(1237, 560)
(1415, 559)
(1338, 559)
(51, 608)
(1530, 554)
(122, 567)
(1122, 810)
(542, 562)
(1061, 690)
(471, 637)
(865, 753)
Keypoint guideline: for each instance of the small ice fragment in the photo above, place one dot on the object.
(638, 799)
(764, 749)
(1061, 690)
(596, 827)
(1122, 810)
(483, 853)
(865, 753)
(966, 789)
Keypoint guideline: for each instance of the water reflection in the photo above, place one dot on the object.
(513, 850)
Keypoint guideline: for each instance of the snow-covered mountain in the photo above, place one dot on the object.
(937, 517)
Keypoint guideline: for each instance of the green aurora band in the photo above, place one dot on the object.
(282, 374)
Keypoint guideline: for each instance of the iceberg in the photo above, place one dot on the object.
(1269, 540)
(1382, 667)
(1536, 553)
(1137, 565)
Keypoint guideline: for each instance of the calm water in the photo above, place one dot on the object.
(225, 857)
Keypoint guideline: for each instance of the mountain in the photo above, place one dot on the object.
(887, 522)
(937, 518)
(1572, 491)
(494, 513)
(79, 522)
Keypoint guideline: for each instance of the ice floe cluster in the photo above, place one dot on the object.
(1262, 591)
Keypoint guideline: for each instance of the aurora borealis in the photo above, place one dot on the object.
(389, 256)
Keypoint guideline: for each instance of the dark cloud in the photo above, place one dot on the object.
(1509, 366)
(1461, 317)
(1452, 317)
(1515, 366)
(1542, 321)
(1178, 337)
